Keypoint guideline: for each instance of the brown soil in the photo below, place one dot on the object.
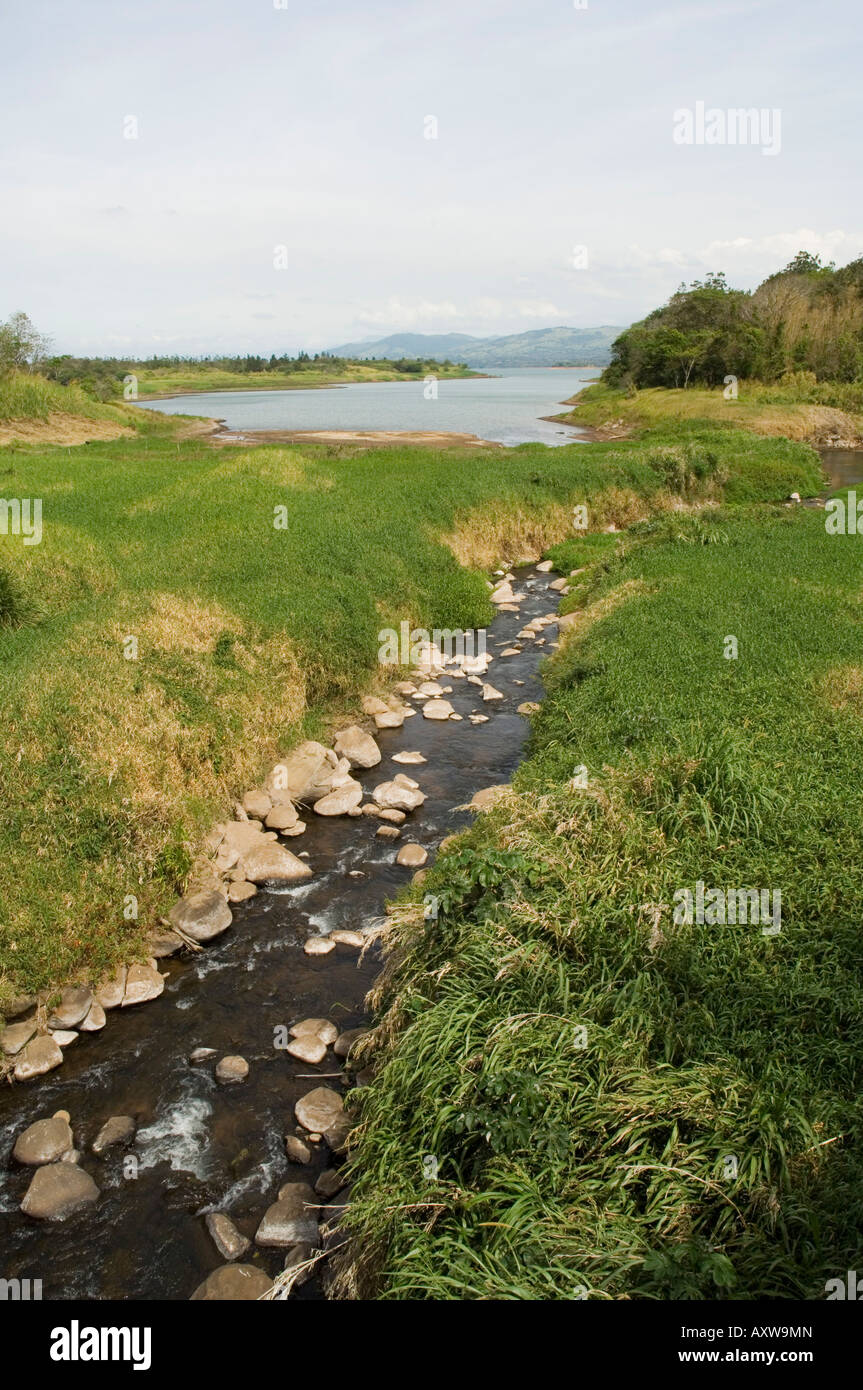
(60, 428)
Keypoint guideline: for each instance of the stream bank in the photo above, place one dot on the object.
(200, 1147)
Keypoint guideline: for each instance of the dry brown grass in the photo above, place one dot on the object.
(483, 538)
(842, 688)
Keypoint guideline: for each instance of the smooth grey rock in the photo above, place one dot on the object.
(329, 1183)
(318, 945)
(299, 1255)
(74, 1005)
(201, 915)
(109, 993)
(233, 1284)
(322, 1111)
(241, 892)
(143, 982)
(17, 1035)
(307, 1049)
(306, 774)
(357, 746)
(41, 1054)
(229, 1242)
(315, 1027)
(58, 1190)
(341, 800)
(290, 1220)
(118, 1130)
(43, 1142)
(95, 1020)
(297, 1151)
(257, 803)
(231, 1070)
(437, 709)
(396, 796)
(272, 862)
(413, 856)
(345, 1041)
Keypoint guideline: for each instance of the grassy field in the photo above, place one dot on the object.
(247, 635)
(164, 381)
(30, 397)
(767, 410)
(596, 1164)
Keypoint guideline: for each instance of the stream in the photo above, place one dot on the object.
(203, 1147)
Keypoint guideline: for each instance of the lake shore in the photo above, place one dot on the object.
(440, 439)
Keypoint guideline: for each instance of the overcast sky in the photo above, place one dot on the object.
(305, 127)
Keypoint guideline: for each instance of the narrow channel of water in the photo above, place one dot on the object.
(200, 1146)
(844, 467)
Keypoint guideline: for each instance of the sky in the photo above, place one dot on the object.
(206, 176)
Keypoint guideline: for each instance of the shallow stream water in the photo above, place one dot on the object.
(200, 1146)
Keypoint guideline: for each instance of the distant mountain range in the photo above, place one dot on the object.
(543, 347)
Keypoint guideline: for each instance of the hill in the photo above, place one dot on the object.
(542, 347)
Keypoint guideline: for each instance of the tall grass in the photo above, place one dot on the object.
(28, 396)
(602, 1170)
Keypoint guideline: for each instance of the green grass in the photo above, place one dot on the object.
(112, 769)
(565, 1170)
(164, 381)
(773, 410)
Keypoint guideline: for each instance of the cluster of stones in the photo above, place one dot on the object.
(302, 1223)
(34, 1042)
(60, 1186)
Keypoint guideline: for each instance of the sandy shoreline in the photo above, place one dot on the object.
(372, 438)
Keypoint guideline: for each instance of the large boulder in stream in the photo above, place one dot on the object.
(290, 1220)
(202, 915)
(273, 863)
(344, 797)
(357, 746)
(57, 1190)
(40, 1055)
(322, 1111)
(305, 775)
(46, 1141)
(398, 795)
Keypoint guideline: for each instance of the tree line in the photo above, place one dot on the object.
(24, 348)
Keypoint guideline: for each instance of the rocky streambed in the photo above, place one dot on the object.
(193, 1147)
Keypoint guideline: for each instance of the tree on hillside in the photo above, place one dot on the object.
(805, 318)
(704, 331)
(22, 347)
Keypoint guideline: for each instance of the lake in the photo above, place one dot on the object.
(506, 408)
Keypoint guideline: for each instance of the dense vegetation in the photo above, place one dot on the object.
(807, 318)
(702, 1137)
